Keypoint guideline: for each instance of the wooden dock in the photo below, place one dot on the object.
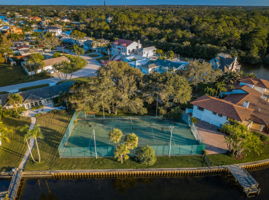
(246, 181)
(15, 184)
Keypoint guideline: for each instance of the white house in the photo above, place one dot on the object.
(243, 104)
(218, 111)
(125, 47)
(55, 30)
(148, 52)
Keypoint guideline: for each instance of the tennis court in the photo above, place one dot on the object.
(87, 135)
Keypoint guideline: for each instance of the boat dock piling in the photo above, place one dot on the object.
(245, 180)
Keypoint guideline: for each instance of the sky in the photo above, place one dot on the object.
(138, 2)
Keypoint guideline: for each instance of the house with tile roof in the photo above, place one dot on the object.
(243, 104)
(260, 85)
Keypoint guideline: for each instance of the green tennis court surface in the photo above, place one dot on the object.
(156, 132)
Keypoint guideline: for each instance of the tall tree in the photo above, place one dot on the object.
(241, 141)
(5, 46)
(15, 100)
(167, 90)
(78, 50)
(125, 81)
(65, 69)
(78, 34)
(35, 62)
(35, 133)
(24, 130)
(200, 72)
(49, 41)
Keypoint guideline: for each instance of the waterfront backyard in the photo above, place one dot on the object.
(53, 126)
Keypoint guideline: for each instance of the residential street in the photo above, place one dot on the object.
(89, 70)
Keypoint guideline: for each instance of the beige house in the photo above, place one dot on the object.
(47, 65)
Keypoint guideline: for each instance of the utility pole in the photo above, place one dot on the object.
(94, 143)
(171, 135)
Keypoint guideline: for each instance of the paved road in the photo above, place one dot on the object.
(89, 70)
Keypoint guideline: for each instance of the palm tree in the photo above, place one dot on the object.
(4, 131)
(36, 134)
(24, 130)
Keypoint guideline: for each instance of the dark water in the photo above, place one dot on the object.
(4, 183)
(260, 71)
(211, 187)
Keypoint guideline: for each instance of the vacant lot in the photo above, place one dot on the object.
(14, 74)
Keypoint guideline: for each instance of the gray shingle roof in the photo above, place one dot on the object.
(41, 93)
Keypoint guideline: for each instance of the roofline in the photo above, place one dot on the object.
(235, 106)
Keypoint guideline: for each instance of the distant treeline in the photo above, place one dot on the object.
(191, 31)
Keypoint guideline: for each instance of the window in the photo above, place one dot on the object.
(200, 108)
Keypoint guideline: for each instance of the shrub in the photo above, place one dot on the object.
(146, 155)
(174, 114)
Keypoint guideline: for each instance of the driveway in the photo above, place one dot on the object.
(89, 70)
(212, 138)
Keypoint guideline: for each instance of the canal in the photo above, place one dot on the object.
(209, 187)
(260, 71)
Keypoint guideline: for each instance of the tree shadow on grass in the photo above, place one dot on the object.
(51, 136)
(15, 153)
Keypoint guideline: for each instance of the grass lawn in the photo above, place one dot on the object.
(53, 127)
(14, 74)
(224, 159)
(54, 124)
(11, 153)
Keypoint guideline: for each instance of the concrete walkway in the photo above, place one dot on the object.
(212, 138)
(88, 71)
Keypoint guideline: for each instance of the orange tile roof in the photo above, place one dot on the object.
(257, 82)
(239, 99)
(256, 102)
(223, 107)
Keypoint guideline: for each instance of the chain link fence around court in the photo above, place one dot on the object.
(87, 136)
